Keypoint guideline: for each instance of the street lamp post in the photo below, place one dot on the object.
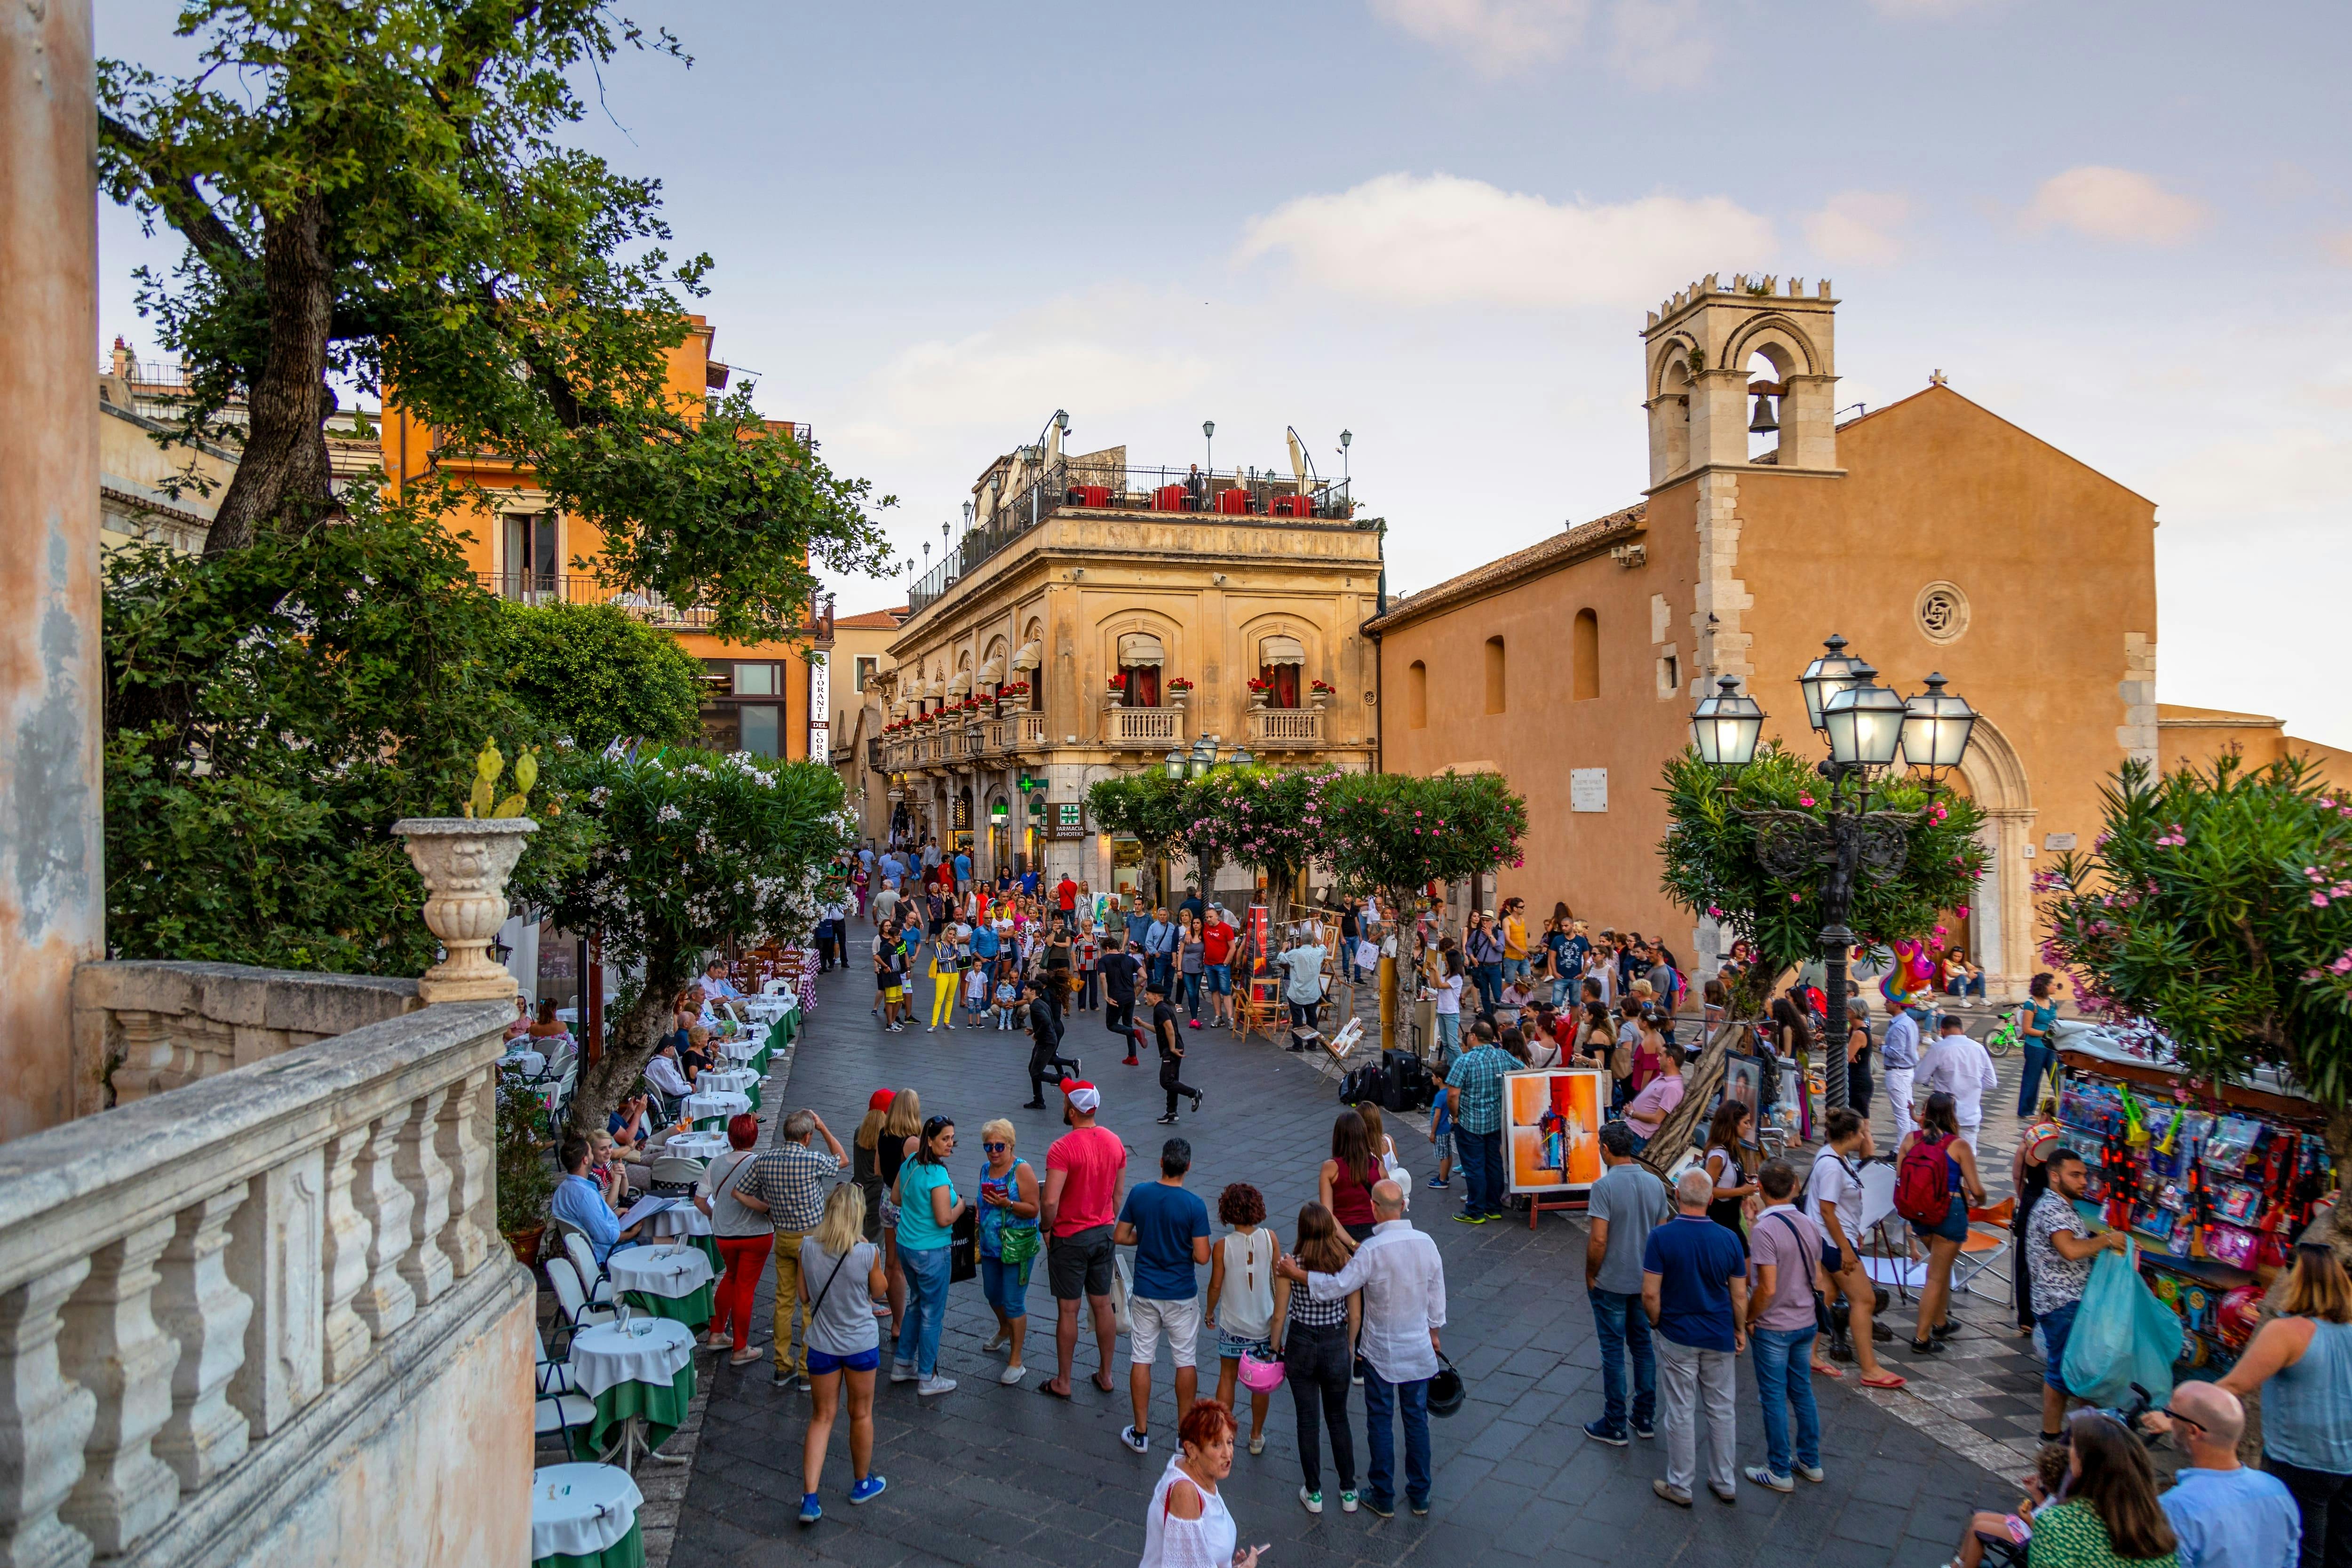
(1209, 438)
(1346, 439)
(1866, 727)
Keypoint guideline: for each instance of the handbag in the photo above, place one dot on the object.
(964, 1247)
(1122, 1286)
(1820, 1307)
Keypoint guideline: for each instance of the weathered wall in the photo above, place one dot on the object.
(52, 880)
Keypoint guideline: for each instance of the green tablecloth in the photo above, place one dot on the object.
(693, 1310)
(629, 1551)
(710, 1245)
(663, 1408)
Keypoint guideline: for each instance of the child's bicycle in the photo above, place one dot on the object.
(2006, 1033)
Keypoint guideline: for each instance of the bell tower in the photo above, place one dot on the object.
(1698, 350)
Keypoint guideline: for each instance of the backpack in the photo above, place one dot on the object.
(1367, 1082)
(1923, 1185)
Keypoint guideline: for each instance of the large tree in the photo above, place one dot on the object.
(598, 674)
(2217, 905)
(1269, 819)
(375, 193)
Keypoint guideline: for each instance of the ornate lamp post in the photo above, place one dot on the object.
(1866, 727)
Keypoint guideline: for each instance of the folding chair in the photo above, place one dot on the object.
(572, 1299)
(592, 1274)
(549, 1377)
(567, 1414)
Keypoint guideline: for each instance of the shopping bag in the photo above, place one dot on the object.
(1122, 1286)
(2123, 1335)
(964, 1247)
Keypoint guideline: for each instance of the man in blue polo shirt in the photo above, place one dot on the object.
(1694, 1290)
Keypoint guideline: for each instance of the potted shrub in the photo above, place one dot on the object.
(1320, 692)
(1180, 691)
(1259, 691)
(526, 1174)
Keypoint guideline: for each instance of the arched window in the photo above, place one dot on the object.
(1494, 675)
(1416, 695)
(1030, 662)
(1584, 678)
(1280, 661)
(1139, 659)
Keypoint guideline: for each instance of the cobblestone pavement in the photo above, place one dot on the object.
(994, 1475)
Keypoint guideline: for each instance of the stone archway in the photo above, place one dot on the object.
(2001, 920)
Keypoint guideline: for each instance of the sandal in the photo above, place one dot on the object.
(1050, 1392)
(1887, 1380)
(1102, 1379)
(1824, 1369)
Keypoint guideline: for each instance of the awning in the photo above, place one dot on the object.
(1280, 650)
(1029, 656)
(938, 688)
(1140, 647)
(992, 672)
(962, 684)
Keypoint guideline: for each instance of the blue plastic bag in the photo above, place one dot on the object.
(2123, 1335)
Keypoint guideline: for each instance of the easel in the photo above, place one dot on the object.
(1567, 1202)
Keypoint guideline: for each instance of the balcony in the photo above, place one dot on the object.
(550, 588)
(1286, 729)
(1067, 485)
(1142, 729)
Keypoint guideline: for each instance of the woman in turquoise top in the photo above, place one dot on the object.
(2302, 1361)
(2039, 1024)
(1009, 1204)
(928, 1210)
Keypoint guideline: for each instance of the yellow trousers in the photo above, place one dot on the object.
(789, 1304)
(943, 999)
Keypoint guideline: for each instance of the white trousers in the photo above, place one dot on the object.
(1687, 1375)
(1899, 1099)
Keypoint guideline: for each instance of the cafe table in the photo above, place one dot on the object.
(683, 1219)
(640, 1376)
(585, 1516)
(664, 1281)
(716, 1107)
(744, 1081)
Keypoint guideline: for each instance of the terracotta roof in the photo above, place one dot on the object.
(1560, 549)
(872, 621)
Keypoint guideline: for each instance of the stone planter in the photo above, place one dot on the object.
(525, 1245)
(465, 862)
(1258, 701)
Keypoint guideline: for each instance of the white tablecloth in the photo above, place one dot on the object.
(659, 1270)
(650, 1350)
(684, 1219)
(771, 1007)
(729, 1080)
(695, 1145)
(578, 1511)
(531, 1062)
(738, 1051)
(727, 1102)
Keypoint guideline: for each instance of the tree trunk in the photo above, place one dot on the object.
(283, 483)
(628, 1046)
(1700, 1080)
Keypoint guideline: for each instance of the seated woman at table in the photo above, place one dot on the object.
(521, 1024)
(580, 1201)
(547, 1025)
(606, 1169)
(700, 1055)
(630, 1124)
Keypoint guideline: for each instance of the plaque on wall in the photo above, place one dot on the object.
(1588, 789)
(2058, 841)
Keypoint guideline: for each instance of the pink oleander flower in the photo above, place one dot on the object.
(1805, 800)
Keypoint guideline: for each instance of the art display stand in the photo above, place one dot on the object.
(1551, 1127)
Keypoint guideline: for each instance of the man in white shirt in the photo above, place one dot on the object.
(719, 996)
(1304, 962)
(1404, 1282)
(1899, 1053)
(666, 1076)
(1961, 1069)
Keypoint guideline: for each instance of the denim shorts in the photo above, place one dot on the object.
(1954, 1226)
(2057, 1326)
(822, 1361)
(1231, 1349)
(1219, 978)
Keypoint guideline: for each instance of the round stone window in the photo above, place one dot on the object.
(1943, 612)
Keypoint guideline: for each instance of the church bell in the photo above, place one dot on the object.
(1763, 424)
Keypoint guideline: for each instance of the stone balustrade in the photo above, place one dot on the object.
(265, 1316)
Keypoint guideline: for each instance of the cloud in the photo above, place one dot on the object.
(2338, 247)
(1498, 36)
(1927, 9)
(995, 380)
(1656, 44)
(1859, 226)
(1438, 239)
(2120, 205)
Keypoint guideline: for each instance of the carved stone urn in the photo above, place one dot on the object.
(464, 861)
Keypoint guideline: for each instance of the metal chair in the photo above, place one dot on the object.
(572, 1299)
(592, 1274)
(564, 1412)
(674, 1175)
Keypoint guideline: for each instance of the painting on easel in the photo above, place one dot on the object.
(1551, 1122)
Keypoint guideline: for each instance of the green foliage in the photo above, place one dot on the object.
(526, 1174)
(270, 714)
(2218, 906)
(1269, 819)
(376, 191)
(1148, 806)
(598, 674)
(1711, 866)
(1395, 832)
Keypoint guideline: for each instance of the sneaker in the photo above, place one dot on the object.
(1439, 1182)
(811, 1510)
(1311, 1501)
(1812, 1473)
(1140, 1442)
(902, 1370)
(1257, 1442)
(1012, 1374)
(1420, 1509)
(1197, 1098)
(935, 1384)
(1379, 1509)
(1729, 1499)
(867, 1490)
(1644, 1430)
(1466, 1218)
(1600, 1431)
(1167, 1120)
(1675, 1495)
(1195, 1023)
(1347, 1502)
(1763, 1477)
(802, 1379)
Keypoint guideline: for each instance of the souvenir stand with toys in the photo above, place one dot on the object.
(2215, 1187)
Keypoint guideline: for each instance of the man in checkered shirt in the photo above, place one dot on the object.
(1473, 1092)
(789, 1184)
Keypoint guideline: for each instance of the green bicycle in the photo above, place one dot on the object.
(2005, 1033)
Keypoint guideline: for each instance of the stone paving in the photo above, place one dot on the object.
(994, 1475)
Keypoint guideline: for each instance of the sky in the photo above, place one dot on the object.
(1438, 225)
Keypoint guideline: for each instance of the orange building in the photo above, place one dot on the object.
(1932, 534)
(767, 698)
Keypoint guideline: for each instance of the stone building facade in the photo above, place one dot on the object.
(1096, 618)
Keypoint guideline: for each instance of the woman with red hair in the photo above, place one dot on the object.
(744, 1238)
(1187, 1525)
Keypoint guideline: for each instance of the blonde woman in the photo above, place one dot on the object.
(844, 1343)
(1009, 1204)
(900, 1133)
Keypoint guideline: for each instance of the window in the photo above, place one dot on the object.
(1416, 695)
(1494, 675)
(1670, 676)
(1280, 661)
(755, 681)
(531, 553)
(865, 671)
(760, 728)
(1140, 657)
(1584, 678)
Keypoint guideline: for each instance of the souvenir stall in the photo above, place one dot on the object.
(2215, 1187)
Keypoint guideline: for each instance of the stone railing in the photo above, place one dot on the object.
(1129, 729)
(266, 1317)
(1032, 736)
(142, 1027)
(1286, 729)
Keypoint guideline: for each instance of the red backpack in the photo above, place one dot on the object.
(1923, 1183)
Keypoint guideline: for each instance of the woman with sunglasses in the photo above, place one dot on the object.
(2110, 1516)
(2302, 1361)
(1008, 1214)
(928, 1210)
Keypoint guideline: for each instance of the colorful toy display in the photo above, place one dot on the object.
(1913, 976)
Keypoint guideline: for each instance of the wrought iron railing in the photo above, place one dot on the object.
(551, 587)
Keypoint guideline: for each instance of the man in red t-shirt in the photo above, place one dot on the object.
(1217, 968)
(1066, 895)
(1084, 1171)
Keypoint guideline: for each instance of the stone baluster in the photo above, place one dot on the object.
(44, 1419)
(110, 1344)
(345, 1266)
(423, 1175)
(201, 1307)
(386, 1302)
(276, 1255)
(469, 1125)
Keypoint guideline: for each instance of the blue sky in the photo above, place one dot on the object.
(1438, 223)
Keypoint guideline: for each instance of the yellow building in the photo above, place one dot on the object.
(765, 698)
(1097, 618)
(860, 658)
